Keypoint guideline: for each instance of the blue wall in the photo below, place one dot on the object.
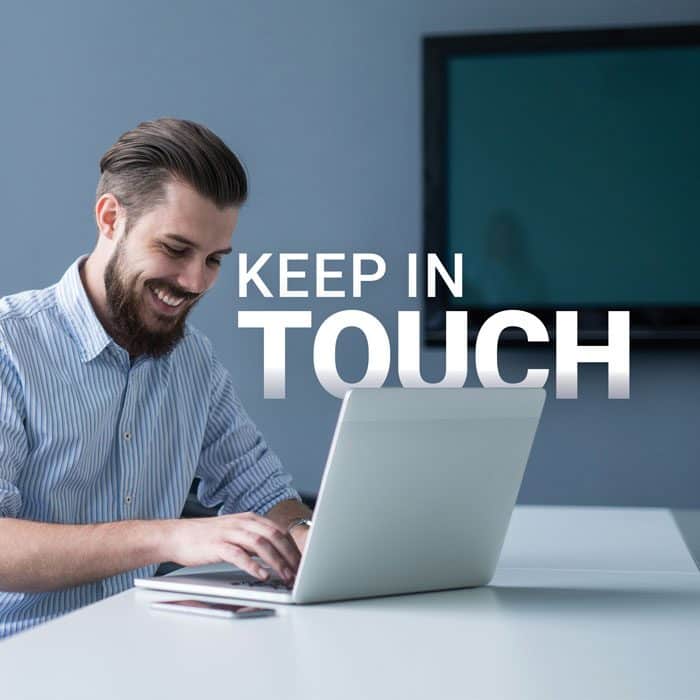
(322, 102)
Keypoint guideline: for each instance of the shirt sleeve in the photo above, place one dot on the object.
(237, 469)
(13, 437)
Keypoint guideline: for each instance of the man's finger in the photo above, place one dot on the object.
(259, 544)
(233, 554)
(281, 540)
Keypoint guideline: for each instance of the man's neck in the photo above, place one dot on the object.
(92, 277)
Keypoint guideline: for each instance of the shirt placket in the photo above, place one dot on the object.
(129, 439)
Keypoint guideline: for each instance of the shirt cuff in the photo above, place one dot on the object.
(288, 494)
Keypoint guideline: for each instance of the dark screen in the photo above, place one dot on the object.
(574, 177)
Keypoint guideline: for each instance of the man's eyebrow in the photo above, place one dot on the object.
(186, 241)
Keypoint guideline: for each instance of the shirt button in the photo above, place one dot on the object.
(127, 499)
(127, 435)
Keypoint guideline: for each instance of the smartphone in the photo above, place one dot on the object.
(203, 607)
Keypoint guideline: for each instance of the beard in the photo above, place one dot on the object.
(126, 307)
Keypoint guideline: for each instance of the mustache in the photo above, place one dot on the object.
(173, 289)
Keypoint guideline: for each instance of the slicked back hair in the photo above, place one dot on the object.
(139, 165)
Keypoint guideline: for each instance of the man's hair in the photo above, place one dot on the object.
(139, 165)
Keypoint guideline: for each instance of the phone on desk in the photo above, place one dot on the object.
(204, 607)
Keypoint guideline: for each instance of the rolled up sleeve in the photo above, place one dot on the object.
(237, 469)
(13, 437)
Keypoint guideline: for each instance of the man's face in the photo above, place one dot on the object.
(162, 266)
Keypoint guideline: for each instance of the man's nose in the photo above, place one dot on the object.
(195, 277)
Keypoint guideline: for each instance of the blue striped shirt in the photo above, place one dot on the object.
(88, 437)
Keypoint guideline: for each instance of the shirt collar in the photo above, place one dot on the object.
(86, 329)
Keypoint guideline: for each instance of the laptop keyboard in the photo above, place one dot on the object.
(273, 583)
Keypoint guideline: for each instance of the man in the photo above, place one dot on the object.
(110, 403)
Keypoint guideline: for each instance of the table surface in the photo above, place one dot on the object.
(586, 602)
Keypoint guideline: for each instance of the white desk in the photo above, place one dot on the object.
(587, 603)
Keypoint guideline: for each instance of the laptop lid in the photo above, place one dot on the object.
(418, 490)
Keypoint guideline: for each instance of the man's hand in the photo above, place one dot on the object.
(299, 534)
(234, 539)
(285, 513)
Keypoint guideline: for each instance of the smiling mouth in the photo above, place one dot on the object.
(165, 301)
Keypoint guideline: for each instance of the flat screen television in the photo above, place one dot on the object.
(565, 167)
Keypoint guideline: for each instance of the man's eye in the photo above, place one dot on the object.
(175, 252)
(215, 261)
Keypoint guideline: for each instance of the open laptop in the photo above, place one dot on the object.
(417, 494)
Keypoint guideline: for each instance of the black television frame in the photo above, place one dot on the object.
(649, 324)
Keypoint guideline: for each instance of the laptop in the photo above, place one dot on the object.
(417, 494)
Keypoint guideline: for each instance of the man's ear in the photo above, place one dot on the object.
(107, 213)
